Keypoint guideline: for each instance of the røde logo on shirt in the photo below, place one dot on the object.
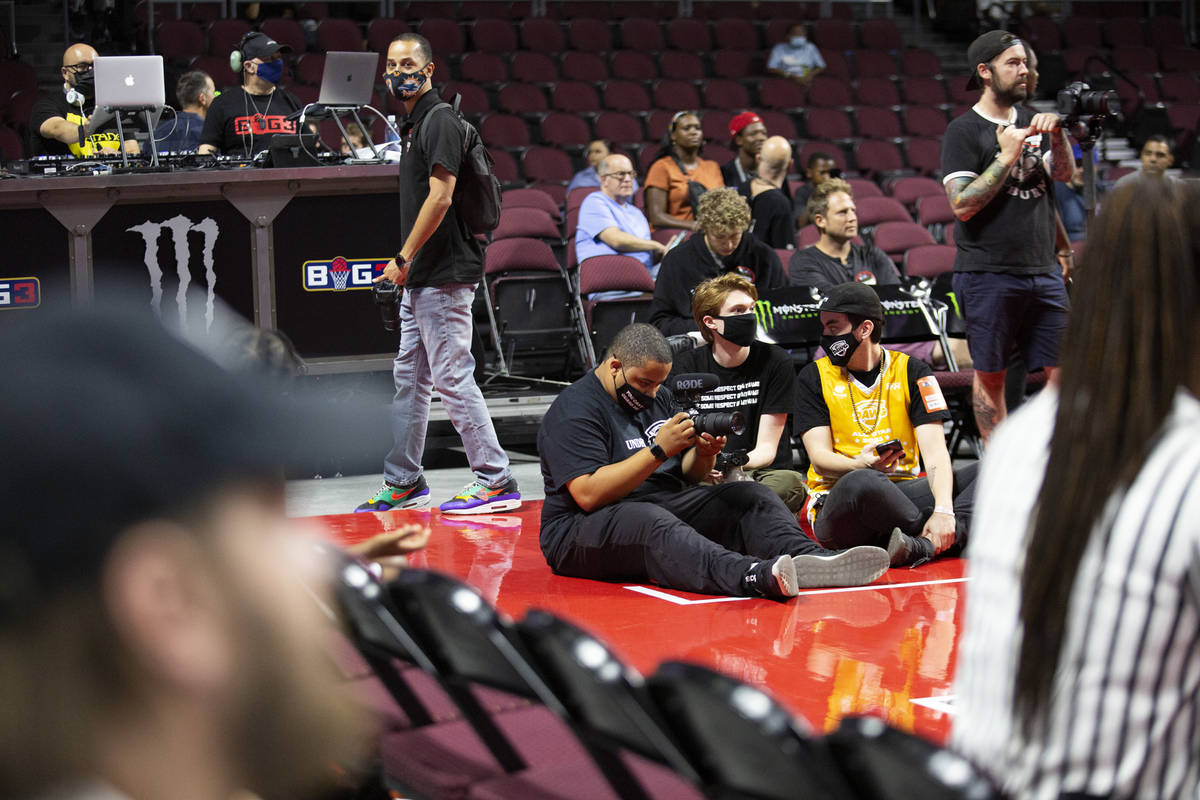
(258, 125)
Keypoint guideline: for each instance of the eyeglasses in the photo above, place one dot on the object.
(619, 175)
(81, 67)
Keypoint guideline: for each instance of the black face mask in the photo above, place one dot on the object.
(631, 399)
(840, 349)
(85, 84)
(740, 329)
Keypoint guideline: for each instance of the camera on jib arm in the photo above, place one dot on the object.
(687, 389)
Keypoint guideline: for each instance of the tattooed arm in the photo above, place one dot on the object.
(1061, 161)
(969, 195)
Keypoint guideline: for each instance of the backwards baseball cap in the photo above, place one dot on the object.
(741, 121)
(853, 298)
(261, 46)
(109, 420)
(986, 47)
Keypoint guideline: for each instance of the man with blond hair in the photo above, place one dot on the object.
(723, 216)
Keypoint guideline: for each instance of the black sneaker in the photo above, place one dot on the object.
(905, 550)
(774, 579)
(393, 498)
(854, 567)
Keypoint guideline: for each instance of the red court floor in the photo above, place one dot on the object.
(887, 649)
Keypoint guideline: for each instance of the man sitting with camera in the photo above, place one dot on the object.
(868, 418)
(621, 462)
(756, 381)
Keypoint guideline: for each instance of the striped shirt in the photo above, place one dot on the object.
(1126, 697)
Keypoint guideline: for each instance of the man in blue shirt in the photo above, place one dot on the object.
(609, 222)
(797, 58)
(195, 92)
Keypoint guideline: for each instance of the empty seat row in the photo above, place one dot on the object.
(1160, 31)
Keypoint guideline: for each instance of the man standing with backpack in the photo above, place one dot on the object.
(438, 265)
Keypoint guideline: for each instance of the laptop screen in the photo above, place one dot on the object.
(348, 79)
(129, 81)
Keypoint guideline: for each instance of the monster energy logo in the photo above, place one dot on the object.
(954, 302)
(766, 315)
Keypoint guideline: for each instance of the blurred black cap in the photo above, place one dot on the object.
(853, 298)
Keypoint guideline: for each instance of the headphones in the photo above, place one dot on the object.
(74, 97)
(237, 58)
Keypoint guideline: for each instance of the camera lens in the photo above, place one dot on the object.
(719, 424)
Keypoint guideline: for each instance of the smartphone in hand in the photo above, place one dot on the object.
(886, 449)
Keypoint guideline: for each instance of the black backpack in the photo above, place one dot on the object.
(477, 190)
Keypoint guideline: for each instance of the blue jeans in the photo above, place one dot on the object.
(435, 351)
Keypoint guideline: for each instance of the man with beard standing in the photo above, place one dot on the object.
(999, 160)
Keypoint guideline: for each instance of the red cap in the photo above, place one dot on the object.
(741, 121)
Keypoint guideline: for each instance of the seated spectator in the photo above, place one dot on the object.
(609, 222)
(723, 217)
(597, 151)
(856, 398)
(748, 134)
(680, 175)
(797, 58)
(196, 92)
(770, 206)
(835, 258)
(1068, 197)
(1156, 158)
(820, 168)
(757, 379)
(163, 642)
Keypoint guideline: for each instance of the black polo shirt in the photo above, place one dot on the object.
(451, 254)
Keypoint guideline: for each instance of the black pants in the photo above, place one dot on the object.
(864, 505)
(701, 539)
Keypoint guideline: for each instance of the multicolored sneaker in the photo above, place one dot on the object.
(393, 498)
(479, 499)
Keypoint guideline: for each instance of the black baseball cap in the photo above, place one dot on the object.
(853, 298)
(986, 47)
(108, 420)
(261, 46)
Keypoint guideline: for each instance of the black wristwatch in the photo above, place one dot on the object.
(400, 261)
(658, 452)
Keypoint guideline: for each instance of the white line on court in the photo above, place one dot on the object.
(680, 601)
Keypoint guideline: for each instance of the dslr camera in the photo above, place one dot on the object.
(1078, 101)
(687, 390)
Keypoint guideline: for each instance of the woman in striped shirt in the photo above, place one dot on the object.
(1079, 671)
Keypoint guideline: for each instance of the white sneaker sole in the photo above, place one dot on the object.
(857, 566)
(784, 573)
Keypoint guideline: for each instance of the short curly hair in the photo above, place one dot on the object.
(722, 211)
(818, 201)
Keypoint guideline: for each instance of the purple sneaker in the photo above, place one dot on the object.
(479, 499)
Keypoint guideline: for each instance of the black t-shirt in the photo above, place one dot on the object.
(451, 254)
(585, 429)
(811, 267)
(800, 199)
(103, 142)
(241, 124)
(764, 383)
(774, 224)
(736, 177)
(813, 413)
(690, 263)
(1014, 232)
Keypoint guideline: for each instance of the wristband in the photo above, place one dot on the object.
(658, 452)
(949, 512)
(1066, 254)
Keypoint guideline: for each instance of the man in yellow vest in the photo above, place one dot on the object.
(868, 417)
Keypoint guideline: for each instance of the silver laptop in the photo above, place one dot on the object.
(129, 81)
(348, 79)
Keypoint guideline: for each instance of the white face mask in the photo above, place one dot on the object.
(799, 41)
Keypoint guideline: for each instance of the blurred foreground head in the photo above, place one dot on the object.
(157, 623)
